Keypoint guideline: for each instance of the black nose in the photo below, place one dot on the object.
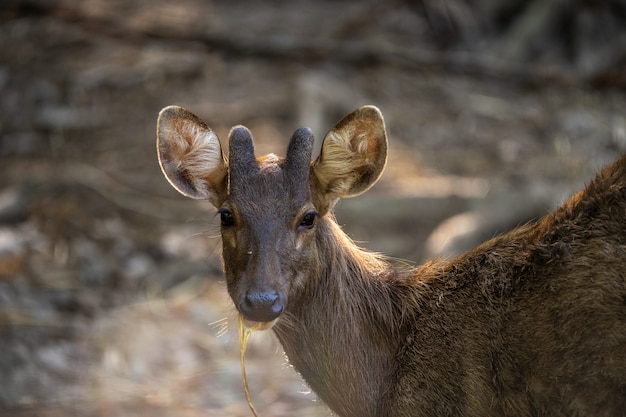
(261, 306)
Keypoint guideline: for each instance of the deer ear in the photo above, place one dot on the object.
(190, 155)
(353, 155)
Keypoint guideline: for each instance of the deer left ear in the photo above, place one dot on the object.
(353, 156)
(191, 156)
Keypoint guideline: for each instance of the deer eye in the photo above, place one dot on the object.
(308, 221)
(226, 217)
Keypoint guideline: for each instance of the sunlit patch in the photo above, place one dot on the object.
(268, 160)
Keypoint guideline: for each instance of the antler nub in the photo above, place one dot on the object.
(242, 162)
(298, 159)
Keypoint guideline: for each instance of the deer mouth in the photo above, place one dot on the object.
(258, 325)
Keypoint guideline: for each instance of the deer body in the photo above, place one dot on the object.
(531, 323)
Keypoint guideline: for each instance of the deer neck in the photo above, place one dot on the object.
(340, 335)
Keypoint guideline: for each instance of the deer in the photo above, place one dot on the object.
(529, 323)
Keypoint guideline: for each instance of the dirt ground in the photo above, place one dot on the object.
(112, 301)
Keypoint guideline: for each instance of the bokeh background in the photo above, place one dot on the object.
(112, 302)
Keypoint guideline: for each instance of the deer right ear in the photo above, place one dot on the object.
(191, 156)
(353, 156)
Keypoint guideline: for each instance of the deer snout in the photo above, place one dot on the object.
(261, 306)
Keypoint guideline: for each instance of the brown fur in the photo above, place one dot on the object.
(531, 323)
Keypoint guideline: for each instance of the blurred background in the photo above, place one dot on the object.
(112, 301)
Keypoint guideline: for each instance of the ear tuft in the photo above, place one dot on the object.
(190, 155)
(353, 155)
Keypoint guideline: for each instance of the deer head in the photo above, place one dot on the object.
(272, 210)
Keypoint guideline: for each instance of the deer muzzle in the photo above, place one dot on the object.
(262, 305)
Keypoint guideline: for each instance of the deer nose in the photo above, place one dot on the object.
(261, 306)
